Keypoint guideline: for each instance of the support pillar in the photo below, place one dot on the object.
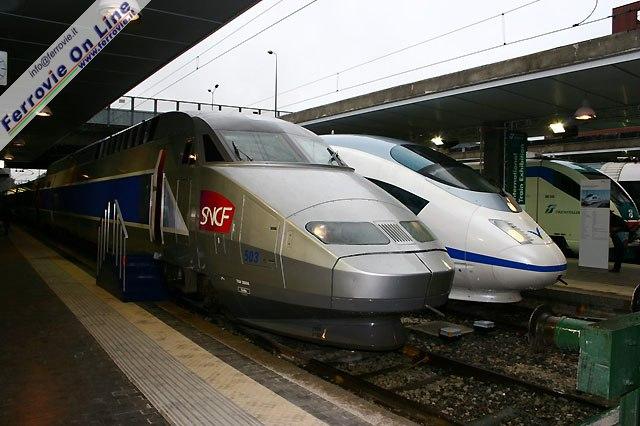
(493, 153)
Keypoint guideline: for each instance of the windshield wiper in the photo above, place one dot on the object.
(335, 157)
(238, 152)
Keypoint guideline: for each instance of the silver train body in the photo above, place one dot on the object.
(257, 216)
(498, 249)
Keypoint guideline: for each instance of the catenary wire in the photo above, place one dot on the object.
(234, 47)
(394, 52)
(589, 15)
(197, 57)
(487, 49)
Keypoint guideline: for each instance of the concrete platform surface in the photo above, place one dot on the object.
(593, 286)
(76, 354)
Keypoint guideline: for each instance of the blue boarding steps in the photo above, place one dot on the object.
(142, 280)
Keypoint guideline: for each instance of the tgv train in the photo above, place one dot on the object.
(261, 216)
(497, 248)
(553, 199)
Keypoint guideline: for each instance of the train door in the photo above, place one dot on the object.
(260, 234)
(184, 188)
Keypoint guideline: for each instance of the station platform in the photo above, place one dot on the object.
(73, 354)
(595, 287)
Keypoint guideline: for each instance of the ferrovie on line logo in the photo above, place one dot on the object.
(216, 212)
(62, 61)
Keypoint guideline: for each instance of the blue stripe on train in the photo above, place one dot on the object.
(496, 261)
(90, 199)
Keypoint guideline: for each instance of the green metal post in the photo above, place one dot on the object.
(630, 409)
(566, 334)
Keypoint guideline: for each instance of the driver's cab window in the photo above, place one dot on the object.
(211, 152)
(189, 157)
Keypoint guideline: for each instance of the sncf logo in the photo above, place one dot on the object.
(216, 212)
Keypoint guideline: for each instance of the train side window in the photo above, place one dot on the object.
(126, 140)
(121, 142)
(189, 154)
(149, 131)
(131, 137)
(140, 134)
(211, 152)
(410, 200)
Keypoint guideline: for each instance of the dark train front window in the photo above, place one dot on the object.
(439, 167)
(625, 205)
(261, 146)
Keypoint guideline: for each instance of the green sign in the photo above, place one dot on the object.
(515, 164)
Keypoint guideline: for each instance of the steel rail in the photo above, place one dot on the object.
(398, 404)
(460, 367)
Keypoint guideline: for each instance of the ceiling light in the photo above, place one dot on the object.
(585, 112)
(535, 138)
(19, 142)
(557, 127)
(45, 112)
(437, 140)
(8, 157)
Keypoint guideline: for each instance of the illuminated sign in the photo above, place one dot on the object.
(61, 62)
(216, 212)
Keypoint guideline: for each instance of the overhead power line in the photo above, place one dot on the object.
(197, 57)
(487, 49)
(235, 46)
(403, 49)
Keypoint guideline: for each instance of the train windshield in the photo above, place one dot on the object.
(261, 146)
(316, 149)
(625, 205)
(439, 167)
(278, 147)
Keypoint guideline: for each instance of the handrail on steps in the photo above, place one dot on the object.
(112, 240)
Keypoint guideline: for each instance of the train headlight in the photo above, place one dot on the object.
(511, 230)
(349, 233)
(512, 204)
(418, 231)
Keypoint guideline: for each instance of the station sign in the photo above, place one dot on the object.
(515, 165)
(71, 52)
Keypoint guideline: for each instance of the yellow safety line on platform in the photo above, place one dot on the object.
(259, 401)
(344, 399)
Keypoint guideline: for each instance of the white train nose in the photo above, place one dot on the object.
(529, 266)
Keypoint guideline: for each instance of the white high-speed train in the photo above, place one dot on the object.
(498, 249)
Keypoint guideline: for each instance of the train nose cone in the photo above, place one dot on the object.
(530, 267)
(391, 282)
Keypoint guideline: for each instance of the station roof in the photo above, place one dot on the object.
(167, 28)
(528, 92)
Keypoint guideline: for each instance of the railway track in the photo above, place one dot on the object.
(410, 381)
(374, 384)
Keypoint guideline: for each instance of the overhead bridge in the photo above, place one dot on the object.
(129, 110)
(525, 93)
